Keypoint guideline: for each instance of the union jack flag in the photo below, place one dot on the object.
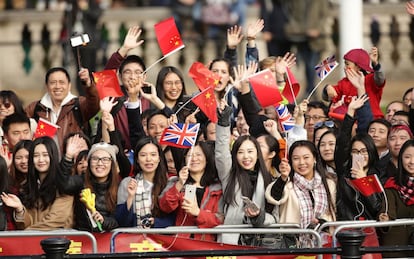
(286, 120)
(326, 66)
(181, 135)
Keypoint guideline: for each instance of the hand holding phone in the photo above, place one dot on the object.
(357, 161)
(190, 192)
(249, 204)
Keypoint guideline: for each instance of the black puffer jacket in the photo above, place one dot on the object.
(349, 203)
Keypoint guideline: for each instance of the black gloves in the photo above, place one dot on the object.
(224, 116)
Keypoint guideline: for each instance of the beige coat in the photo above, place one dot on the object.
(289, 210)
(57, 216)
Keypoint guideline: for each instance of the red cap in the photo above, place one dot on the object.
(359, 57)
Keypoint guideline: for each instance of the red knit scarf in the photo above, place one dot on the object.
(406, 192)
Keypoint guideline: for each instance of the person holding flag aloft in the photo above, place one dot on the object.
(358, 60)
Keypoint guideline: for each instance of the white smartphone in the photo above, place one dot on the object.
(357, 161)
(249, 204)
(190, 192)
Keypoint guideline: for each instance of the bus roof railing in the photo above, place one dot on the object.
(216, 230)
(60, 232)
(339, 223)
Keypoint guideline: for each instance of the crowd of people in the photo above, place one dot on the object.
(246, 168)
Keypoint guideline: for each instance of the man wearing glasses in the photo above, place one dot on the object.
(316, 112)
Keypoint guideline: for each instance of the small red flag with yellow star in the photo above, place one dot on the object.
(367, 185)
(107, 84)
(45, 128)
(265, 88)
(202, 76)
(206, 101)
(168, 37)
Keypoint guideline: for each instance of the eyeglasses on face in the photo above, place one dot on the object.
(315, 117)
(6, 105)
(328, 124)
(362, 151)
(129, 72)
(104, 160)
(171, 83)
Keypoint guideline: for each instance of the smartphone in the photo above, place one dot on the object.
(190, 192)
(249, 204)
(357, 160)
(146, 89)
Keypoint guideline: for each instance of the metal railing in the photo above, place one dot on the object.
(52, 233)
(350, 241)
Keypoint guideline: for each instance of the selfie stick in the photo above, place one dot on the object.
(76, 42)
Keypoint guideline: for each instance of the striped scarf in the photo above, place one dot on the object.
(143, 201)
(313, 200)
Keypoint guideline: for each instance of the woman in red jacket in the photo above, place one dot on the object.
(201, 210)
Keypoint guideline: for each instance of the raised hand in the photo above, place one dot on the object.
(357, 102)
(234, 36)
(131, 40)
(284, 169)
(182, 177)
(281, 63)
(254, 29)
(85, 77)
(74, 146)
(373, 55)
(409, 6)
(271, 128)
(108, 121)
(107, 103)
(192, 117)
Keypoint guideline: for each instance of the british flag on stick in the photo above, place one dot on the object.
(181, 135)
(326, 66)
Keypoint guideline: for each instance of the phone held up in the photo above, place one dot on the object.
(146, 88)
(190, 192)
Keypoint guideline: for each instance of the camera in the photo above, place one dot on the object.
(146, 221)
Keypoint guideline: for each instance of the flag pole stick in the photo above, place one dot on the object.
(291, 89)
(316, 87)
(227, 92)
(153, 64)
(286, 145)
(78, 58)
(162, 58)
(189, 100)
(190, 155)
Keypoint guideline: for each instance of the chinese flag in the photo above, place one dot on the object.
(202, 76)
(367, 185)
(45, 128)
(168, 37)
(292, 87)
(107, 84)
(206, 101)
(265, 88)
